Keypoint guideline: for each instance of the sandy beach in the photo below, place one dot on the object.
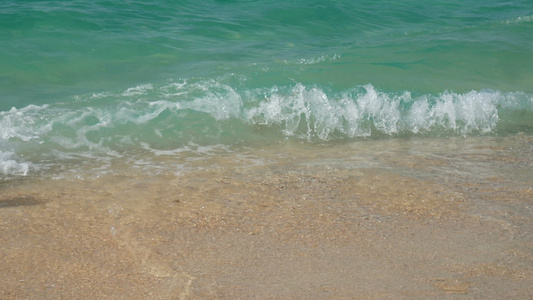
(393, 219)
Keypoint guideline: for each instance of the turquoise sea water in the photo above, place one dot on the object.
(105, 80)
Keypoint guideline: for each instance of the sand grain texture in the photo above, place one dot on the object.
(293, 229)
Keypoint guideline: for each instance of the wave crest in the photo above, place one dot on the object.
(113, 124)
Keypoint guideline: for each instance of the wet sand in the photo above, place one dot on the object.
(393, 219)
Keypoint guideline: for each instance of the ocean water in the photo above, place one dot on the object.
(232, 149)
(156, 85)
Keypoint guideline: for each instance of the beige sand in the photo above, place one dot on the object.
(374, 224)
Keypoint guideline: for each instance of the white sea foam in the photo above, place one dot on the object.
(364, 111)
(21, 123)
(189, 149)
(212, 97)
(10, 166)
(185, 119)
(138, 90)
(518, 20)
(318, 59)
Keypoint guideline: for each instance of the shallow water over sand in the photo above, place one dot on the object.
(400, 218)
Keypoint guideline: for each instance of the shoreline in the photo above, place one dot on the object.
(397, 218)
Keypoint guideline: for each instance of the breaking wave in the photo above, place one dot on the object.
(180, 114)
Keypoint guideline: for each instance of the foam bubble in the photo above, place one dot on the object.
(317, 59)
(21, 123)
(519, 20)
(138, 90)
(9, 166)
